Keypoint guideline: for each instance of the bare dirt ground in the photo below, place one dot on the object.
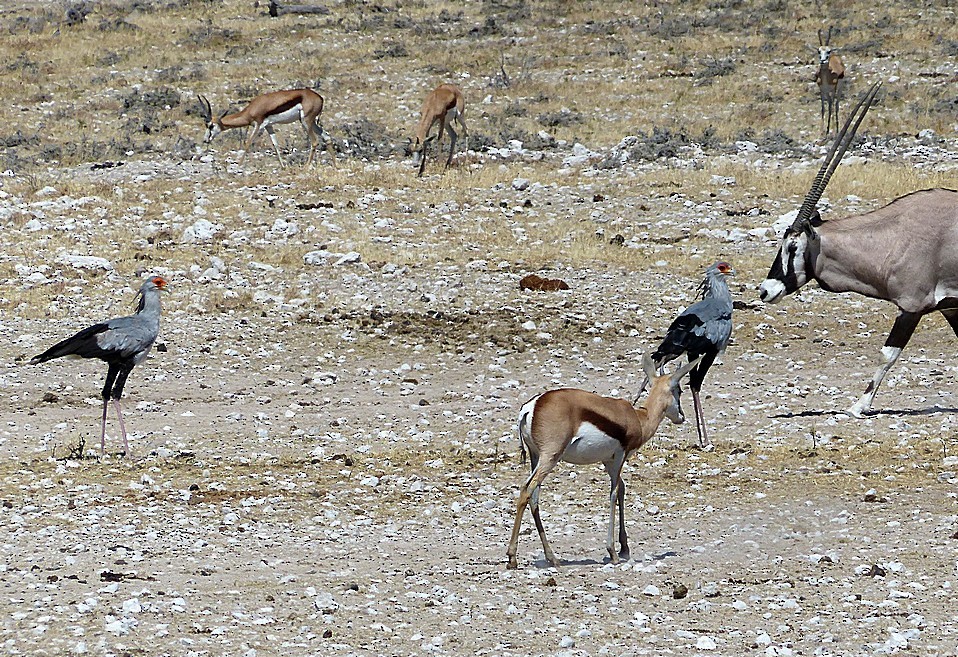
(324, 452)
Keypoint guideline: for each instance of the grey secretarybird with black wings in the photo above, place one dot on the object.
(701, 330)
(122, 343)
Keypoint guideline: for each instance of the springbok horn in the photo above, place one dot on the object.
(842, 142)
(205, 106)
(685, 369)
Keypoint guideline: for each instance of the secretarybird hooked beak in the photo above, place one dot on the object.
(122, 343)
(700, 331)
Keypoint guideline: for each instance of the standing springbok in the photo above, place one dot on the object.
(443, 105)
(267, 110)
(904, 253)
(831, 72)
(581, 427)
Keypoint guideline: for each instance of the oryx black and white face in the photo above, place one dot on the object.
(789, 271)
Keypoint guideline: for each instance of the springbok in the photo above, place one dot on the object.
(443, 105)
(267, 110)
(904, 253)
(581, 427)
(831, 72)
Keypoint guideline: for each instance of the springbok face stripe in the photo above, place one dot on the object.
(212, 129)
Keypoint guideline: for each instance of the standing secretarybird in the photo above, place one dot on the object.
(122, 343)
(700, 331)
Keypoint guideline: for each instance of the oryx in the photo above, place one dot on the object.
(905, 252)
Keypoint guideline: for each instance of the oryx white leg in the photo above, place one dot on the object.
(863, 405)
(900, 334)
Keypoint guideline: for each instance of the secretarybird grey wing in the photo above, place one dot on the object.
(121, 343)
(701, 330)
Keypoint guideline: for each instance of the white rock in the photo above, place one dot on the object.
(284, 228)
(85, 262)
(201, 231)
(706, 643)
(321, 257)
(325, 602)
(325, 378)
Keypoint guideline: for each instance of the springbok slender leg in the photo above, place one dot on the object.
(272, 137)
(624, 552)
(453, 137)
(312, 137)
(901, 332)
(616, 495)
(529, 491)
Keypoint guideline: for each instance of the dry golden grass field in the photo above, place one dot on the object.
(324, 458)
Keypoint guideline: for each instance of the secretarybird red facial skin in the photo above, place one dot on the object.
(700, 331)
(121, 343)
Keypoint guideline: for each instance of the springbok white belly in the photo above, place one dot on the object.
(591, 446)
(289, 116)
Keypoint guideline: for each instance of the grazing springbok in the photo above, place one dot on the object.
(581, 427)
(831, 72)
(904, 253)
(443, 105)
(267, 110)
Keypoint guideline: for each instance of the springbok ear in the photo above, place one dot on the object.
(648, 366)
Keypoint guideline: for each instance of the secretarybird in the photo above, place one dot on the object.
(700, 331)
(122, 343)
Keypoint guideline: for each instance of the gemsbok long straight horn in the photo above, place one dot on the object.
(903, 253)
